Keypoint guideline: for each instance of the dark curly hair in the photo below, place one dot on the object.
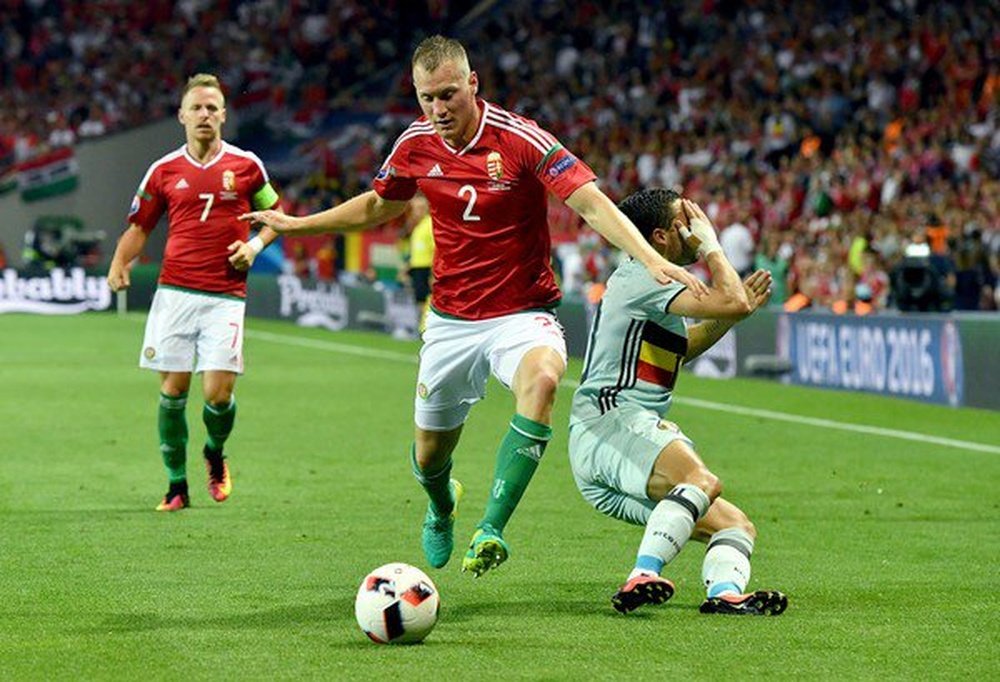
(650, 208)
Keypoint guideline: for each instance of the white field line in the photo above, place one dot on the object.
(411, 358)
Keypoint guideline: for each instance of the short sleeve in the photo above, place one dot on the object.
(264, 195)
(392, 182)
(148, 204)
(562, 172)
(654, 300)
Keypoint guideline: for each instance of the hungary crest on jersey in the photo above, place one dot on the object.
(494, 165)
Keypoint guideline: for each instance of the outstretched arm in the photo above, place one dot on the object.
(591, 204)
(130, 245)
(360, 213)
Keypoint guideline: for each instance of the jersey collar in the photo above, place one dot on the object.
(211, 162)
(475, 138)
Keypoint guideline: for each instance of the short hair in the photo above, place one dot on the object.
(203, 80)
(649, 209)
(433, 51)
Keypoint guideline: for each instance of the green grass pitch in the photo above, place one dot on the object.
(886, 547)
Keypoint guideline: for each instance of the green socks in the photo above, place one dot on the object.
(173, 429)
(218, 423)
(436, 484)
(518, 457)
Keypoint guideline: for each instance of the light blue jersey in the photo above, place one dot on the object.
(636, 346)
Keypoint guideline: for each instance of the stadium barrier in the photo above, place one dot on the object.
(946, 359)
(53, 292)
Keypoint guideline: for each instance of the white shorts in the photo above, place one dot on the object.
(458, 356)
(188, 331)
(612, 457)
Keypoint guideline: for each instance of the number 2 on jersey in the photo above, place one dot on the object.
(471, 191)
(209, 197)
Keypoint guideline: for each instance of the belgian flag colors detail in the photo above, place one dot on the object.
(660, 355)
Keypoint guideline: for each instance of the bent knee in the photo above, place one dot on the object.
(740, 520)
(547, 382)
(220, 399)
(542, 385)
(707, 481)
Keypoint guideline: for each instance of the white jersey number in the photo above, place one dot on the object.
(209, 197)
(471, 191)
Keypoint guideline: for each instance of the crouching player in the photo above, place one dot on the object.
(629, 462)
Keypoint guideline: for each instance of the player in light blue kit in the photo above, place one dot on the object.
(630, 463)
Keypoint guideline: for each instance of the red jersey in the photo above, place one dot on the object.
(202, 202)
(488, 205)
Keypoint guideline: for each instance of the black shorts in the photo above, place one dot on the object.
(420, 278)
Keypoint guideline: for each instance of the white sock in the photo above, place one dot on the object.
(669, 527)
(726, 569)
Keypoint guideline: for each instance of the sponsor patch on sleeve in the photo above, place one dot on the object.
(134, 208)
(561, 166)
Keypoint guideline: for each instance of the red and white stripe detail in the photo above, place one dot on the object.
(538, 138)
(416, 129)
(243, 153)
(166, 158)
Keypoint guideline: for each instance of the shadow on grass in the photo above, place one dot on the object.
(339, 612)
(330, 612)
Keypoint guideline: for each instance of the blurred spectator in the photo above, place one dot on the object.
(973, 285)
(738, 245)
(420, 251)
(300, 262)
(771, 258)
(815, 122)
(326, 260)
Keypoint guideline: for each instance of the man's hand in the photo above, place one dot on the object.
(701, 229)
(276, 220)
(118, 276)
(758, 288)
(665, 272)
(243, 255)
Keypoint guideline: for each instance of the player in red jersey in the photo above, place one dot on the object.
(485, 173)
(195, 322)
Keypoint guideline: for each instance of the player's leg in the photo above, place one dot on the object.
(682, 489)
(421, 278)
(173, 433)
(534, 385)
(726, 569)
(431, 462)
(529, 356)
(451, 377)
(609, 455)
(218, 415)
(220, 361)
(168, 348)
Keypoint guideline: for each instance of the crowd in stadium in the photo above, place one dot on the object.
(827, 141)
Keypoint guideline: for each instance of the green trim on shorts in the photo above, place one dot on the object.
(543, 309)
(211, 294)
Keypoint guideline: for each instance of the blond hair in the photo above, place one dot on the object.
(433, 51)
(203, 80)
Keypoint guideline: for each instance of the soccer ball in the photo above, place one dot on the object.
(397, 604)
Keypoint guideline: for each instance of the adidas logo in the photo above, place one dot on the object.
(181, 184)
(435, 172)
(531, 451)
